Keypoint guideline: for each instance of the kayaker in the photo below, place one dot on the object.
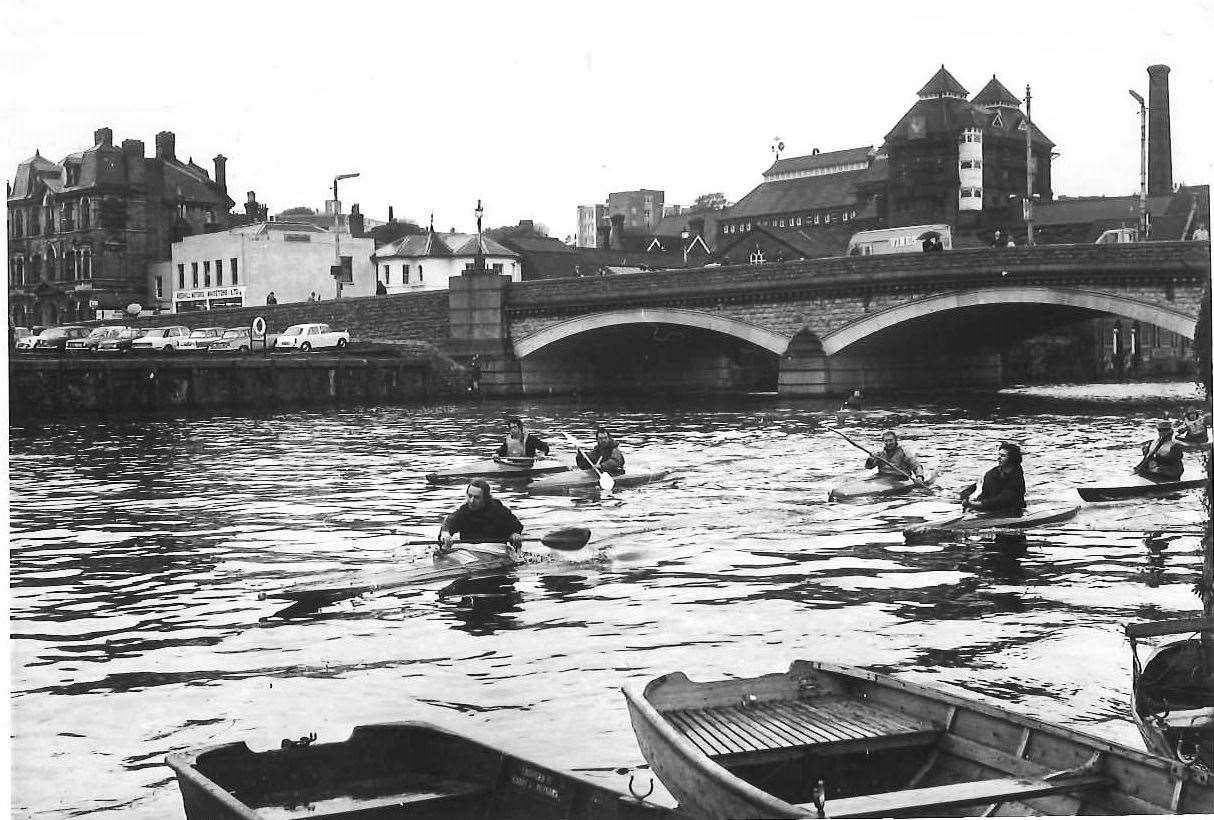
(606, 454)
(518, 443)
(481, 519)
(1192, 431)
(1163, 458)
(894, 460)
(1002, 486)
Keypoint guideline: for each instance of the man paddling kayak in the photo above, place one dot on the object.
(481, 519)
(1163, 458)
(1002, 486)
(518, 443)
(1192, 432)
(894, 460)
(606, 454)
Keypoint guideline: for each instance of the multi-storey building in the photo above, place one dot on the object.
(642, 210)
(82, 232)
(589, 218)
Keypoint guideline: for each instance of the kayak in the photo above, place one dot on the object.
(505, 469)
(872, 486)
(578, 482)
(1135, 486)
(461, 563)
(985, 522)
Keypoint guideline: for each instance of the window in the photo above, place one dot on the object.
(420, 276)
(233, 261)
(756, 257)
(194, 270)
(817, 218)
(497, 267)
(206, 273)
(85, 219)
(159, 288)
(218, 273)
(404, 274)
(387, 274)
(181, 276)
(826, 219)
(87, 257)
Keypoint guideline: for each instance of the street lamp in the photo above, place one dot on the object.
(337, 228)
(685, 235)
(1142, 173)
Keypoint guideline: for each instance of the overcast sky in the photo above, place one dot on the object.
(538, 107)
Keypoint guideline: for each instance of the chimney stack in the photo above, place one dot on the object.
(391, 215)
(357, 222)
(103, 137)
(166, 145)
(221, 173)
(1159, 133)
(617, 232)
(602, 235)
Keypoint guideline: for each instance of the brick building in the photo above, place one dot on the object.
(642, 210)
(83, 231)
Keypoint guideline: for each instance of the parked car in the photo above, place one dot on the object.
(201, 338)
(26, 342)
(56, 338)
(1118, 236)
(92, 342)
(161, 339)
(120, 343)
(307, 337)
(240, 340)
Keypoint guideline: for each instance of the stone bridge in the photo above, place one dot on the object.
(915, 320)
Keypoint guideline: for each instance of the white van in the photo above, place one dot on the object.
(1118, 236)
(907, 239)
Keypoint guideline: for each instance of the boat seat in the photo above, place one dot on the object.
(368, 798)
(929, 800)
(831, 724)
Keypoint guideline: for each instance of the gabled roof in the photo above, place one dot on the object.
(802, 194)
(28, 172)
(189, 183)
(798, 243)
(537, 244)
(673, 226)
(936, 116)
(942, 84)
(995, 93)
(847, 156)
(431, 244)
(1096, 208)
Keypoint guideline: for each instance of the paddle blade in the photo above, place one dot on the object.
(606, 482)
(571, 538)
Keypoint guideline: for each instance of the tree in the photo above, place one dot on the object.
(709, 202)
(392, 231)
(299, 210)
(525, 229)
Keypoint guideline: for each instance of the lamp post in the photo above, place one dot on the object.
(1028, 163)
(337, 228)
(1142, 173)
(479, 263)
(685, 235)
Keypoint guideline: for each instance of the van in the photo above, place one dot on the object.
(1118, 236)
(907, 239)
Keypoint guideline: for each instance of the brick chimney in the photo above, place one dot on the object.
(391, 215)
(103, 137)
(221, 173)
(617, 232)
(166, 145)
(357, 221)
(1159, 133)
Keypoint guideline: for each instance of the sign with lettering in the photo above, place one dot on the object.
(207, 293)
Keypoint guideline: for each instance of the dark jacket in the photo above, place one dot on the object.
(609, 459)
(1001, 493)
(1166, 463)
(531, 443)
(492, 524)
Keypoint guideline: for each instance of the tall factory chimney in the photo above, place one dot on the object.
(1159, 133)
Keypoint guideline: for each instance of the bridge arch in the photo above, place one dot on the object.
(1173, 320)
(775, 342)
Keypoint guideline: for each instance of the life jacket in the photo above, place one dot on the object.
(516, 448)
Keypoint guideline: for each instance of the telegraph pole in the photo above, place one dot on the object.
(1028, 161)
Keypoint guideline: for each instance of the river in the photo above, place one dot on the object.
(138, 550)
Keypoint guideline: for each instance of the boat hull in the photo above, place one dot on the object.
(496, 471)
(1174, 703)
(882, 747)
(875, 487)
(398, 770)
(1135, 487)
(971, 523)
(583, 482)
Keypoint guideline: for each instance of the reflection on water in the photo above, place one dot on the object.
(139, 550)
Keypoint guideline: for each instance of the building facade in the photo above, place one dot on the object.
(243, 265)
(83, 232)
(642, 210)
(429, 260)
(589, 218)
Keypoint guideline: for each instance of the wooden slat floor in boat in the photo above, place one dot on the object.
(791, 724)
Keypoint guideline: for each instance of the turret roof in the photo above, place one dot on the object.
(942, 84)
(995, 93)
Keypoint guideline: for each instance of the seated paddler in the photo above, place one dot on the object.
(481, 519)
(894, 460)
(519, 443)
(1163, 458)
(1002, 491)
(606, 454)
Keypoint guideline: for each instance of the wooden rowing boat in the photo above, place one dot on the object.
(822, 740)
(465, 562)
(506, 469)
(1174, 690)
(1135, 486)
(389, 770)
(869, 486)
(972, 523)
(582, 482)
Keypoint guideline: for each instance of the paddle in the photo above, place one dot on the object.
(570, 538)
(606, 481)
(876, 457)
(1151, 451)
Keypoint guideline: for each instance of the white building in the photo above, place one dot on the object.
(243, 265)
(427, 261)
(589, 217)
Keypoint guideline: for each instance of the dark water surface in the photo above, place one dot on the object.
(138, 550)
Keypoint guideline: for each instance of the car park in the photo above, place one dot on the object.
(200, 339)
(92, 342)
(311, 336)
(56, 338)
(161, 339)
(121, 343)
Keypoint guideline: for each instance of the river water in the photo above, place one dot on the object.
(138, 550)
